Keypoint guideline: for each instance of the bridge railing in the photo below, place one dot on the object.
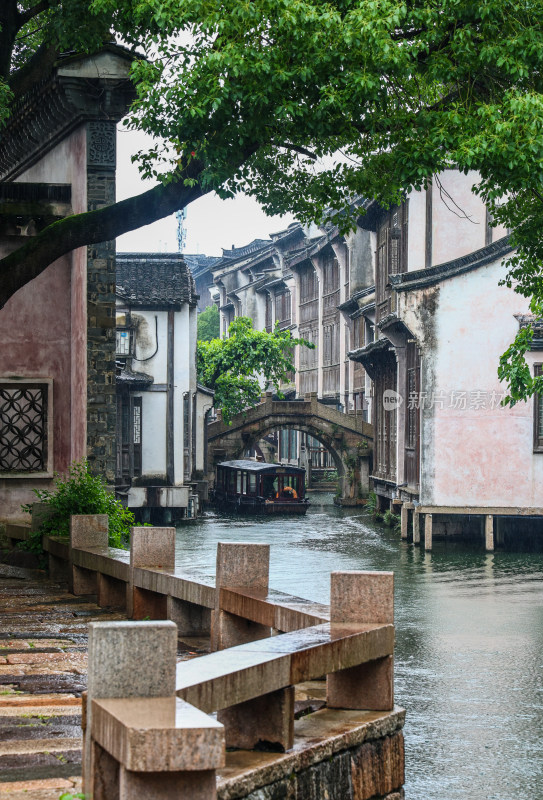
(147, 726)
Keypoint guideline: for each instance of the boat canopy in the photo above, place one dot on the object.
(262, 466)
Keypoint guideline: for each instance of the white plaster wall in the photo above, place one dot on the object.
(473, 457)
(146, 342)
(416, 237)
(456, 229)
(153, 433)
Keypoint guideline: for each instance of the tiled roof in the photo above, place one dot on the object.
(421, 278)
(154, 280)
(252, 247)
(136, 380)
(198, 262)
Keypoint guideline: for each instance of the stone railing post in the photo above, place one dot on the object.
(269, 717)
(143, 750)
(244, 566)
(362, 598)
(150, 547)
(86, 531)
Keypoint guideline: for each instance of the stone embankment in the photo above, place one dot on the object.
(254, 719)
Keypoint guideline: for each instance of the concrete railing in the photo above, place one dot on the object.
(148, 732)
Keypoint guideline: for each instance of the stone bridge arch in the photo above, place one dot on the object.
(348, 438)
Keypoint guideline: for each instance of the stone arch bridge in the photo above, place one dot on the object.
(347, 436)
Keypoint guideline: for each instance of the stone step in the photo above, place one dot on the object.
(48, 788)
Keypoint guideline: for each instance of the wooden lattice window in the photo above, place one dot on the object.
(331, 276)
(391, 254)
(331, 344)
(309, 285)
(282, 306)
(25, 427)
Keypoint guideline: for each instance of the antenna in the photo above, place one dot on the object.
(180, 217)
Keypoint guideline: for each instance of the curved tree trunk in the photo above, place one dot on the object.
(104, 224)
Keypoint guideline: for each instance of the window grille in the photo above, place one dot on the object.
(123, 342)
(24, 445)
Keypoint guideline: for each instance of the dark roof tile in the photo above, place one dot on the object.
(154, 280)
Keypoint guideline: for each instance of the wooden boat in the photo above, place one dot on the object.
(254, 487)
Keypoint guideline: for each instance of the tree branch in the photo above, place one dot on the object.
(34, 70)
(23, 265)
(25, 16)
(297, 149)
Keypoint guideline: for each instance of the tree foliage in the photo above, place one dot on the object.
(258, 96)
(240, 366)
(209, 324)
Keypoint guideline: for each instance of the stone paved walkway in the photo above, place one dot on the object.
(43, 663)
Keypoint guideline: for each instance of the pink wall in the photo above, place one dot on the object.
(43, 328)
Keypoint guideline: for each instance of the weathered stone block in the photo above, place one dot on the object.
(331, 779)
(246, 565)
(230, 630)
(368, 686)
(104, 773)
(378, 767)
(88, 530)
(152, 547)
(243, 564)
(428, 531)
(132, 659)
(265, 723)
(161, 734)
(127, 659)
(362, 597)
(167, 786)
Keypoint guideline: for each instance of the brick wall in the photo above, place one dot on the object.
(101, 408)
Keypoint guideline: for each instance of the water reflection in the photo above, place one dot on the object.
(469, 655)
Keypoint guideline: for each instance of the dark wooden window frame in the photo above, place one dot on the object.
(538, 414)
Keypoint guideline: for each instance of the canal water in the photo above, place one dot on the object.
(469, 648)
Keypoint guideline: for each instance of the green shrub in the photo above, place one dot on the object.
(330, 475)
(371, 503)
(79, 492)
(391, 520)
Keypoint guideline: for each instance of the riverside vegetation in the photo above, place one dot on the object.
(79, 492)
